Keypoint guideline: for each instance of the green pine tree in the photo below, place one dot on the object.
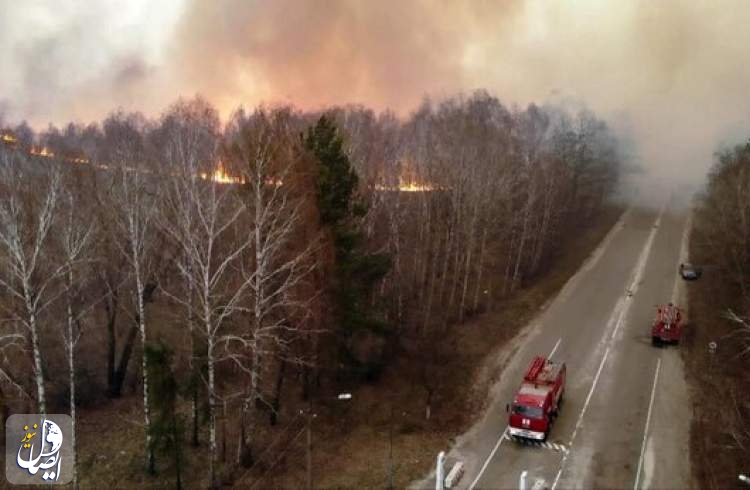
(167, 425)
(357, 272)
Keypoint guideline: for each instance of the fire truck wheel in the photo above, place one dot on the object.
(546, 435)
(656, 341)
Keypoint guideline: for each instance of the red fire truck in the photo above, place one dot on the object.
(538, 400)
(667, 327)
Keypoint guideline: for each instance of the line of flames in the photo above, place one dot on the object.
(220, 175)
(406, 187)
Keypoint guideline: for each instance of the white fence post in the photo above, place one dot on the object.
(522, 480)
(440, 471)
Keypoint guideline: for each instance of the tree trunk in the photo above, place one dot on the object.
(211, 408)
(150, 462)
(521, 245)
(110, 306)
(467, 264)
(276, 404)
(434, 264)
(446, 261)
(72, 383)
(38, 367)
(118, 379)
(428, 404)
(478, 287)
(177, 453)
(194, 409)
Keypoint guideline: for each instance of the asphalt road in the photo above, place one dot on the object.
(626, 416)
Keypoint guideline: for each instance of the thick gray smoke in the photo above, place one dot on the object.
(65, 60)
(674, 73)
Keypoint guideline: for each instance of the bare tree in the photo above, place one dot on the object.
(204, 218)
(269, 155)
(29, 272)
(187, 138)
(135, 204)
(75, 238)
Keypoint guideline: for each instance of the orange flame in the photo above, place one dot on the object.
(414, 187)
(221, 176)
(42, 152)
(78, 160)
(8, 138)
(404, 186)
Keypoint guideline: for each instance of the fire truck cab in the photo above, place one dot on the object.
(538, 400)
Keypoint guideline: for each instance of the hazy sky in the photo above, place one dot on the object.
(677, 73)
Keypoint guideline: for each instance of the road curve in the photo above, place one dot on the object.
(626, 417)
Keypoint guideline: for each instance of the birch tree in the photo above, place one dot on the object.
(135, 202)
(205, 219)
(187, 138)
(29, 270)
(75, 238)
(269, 155)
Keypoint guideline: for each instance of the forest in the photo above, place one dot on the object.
(208, 267)
(720, 313)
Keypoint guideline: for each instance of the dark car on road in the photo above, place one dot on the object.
(689, 272)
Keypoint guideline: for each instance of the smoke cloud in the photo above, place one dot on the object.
(673, 74)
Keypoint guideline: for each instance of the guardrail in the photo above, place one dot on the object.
(454, 475)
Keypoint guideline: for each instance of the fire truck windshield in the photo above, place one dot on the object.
(527, 411)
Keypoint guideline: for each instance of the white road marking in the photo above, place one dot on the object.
(557, 477)
(580, 418)
(494, 450)
(648, 422)
(557, 344)
(619, 322)
(643, 258)
(554, 446)
(588, 398)
(683, 255)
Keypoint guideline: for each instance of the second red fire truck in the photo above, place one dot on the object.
(667, 326)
